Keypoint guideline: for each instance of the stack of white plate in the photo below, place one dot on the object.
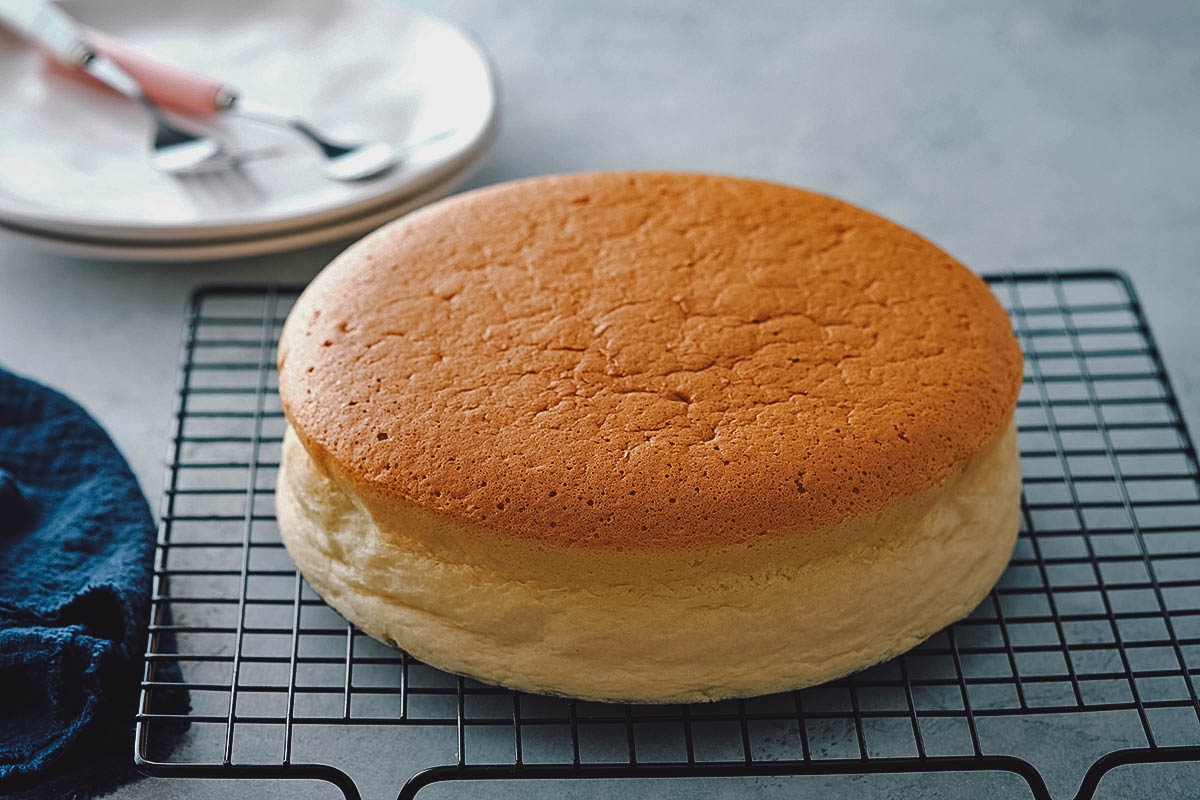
(74, 175)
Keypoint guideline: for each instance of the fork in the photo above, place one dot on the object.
(187, 92)
(172, 149)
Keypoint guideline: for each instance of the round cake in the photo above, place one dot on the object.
(649, 437)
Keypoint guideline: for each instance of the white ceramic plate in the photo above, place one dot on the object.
(73, 159)
(83, 247)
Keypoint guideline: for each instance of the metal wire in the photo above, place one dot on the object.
(1098, 611)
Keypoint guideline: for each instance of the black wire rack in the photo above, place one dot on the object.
(1097, 616)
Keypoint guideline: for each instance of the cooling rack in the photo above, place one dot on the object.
(1097, 617)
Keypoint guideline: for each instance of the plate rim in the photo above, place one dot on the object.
(220, 249)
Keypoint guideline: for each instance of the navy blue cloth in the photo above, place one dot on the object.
(76, 555)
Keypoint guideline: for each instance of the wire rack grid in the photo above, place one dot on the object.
(1099, 610)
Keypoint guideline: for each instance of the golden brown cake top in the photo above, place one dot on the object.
(646, 359)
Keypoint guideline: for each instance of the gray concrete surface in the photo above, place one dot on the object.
(1016, 134)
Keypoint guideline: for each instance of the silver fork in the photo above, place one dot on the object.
(195, 94)
(173, 149)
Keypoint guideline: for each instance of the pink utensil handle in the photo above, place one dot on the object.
(169, 86)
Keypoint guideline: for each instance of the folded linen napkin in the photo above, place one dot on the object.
(76, 551)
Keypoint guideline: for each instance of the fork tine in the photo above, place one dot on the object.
(195, 186)
(223, 188)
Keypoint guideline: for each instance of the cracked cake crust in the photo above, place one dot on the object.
(645, 360)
